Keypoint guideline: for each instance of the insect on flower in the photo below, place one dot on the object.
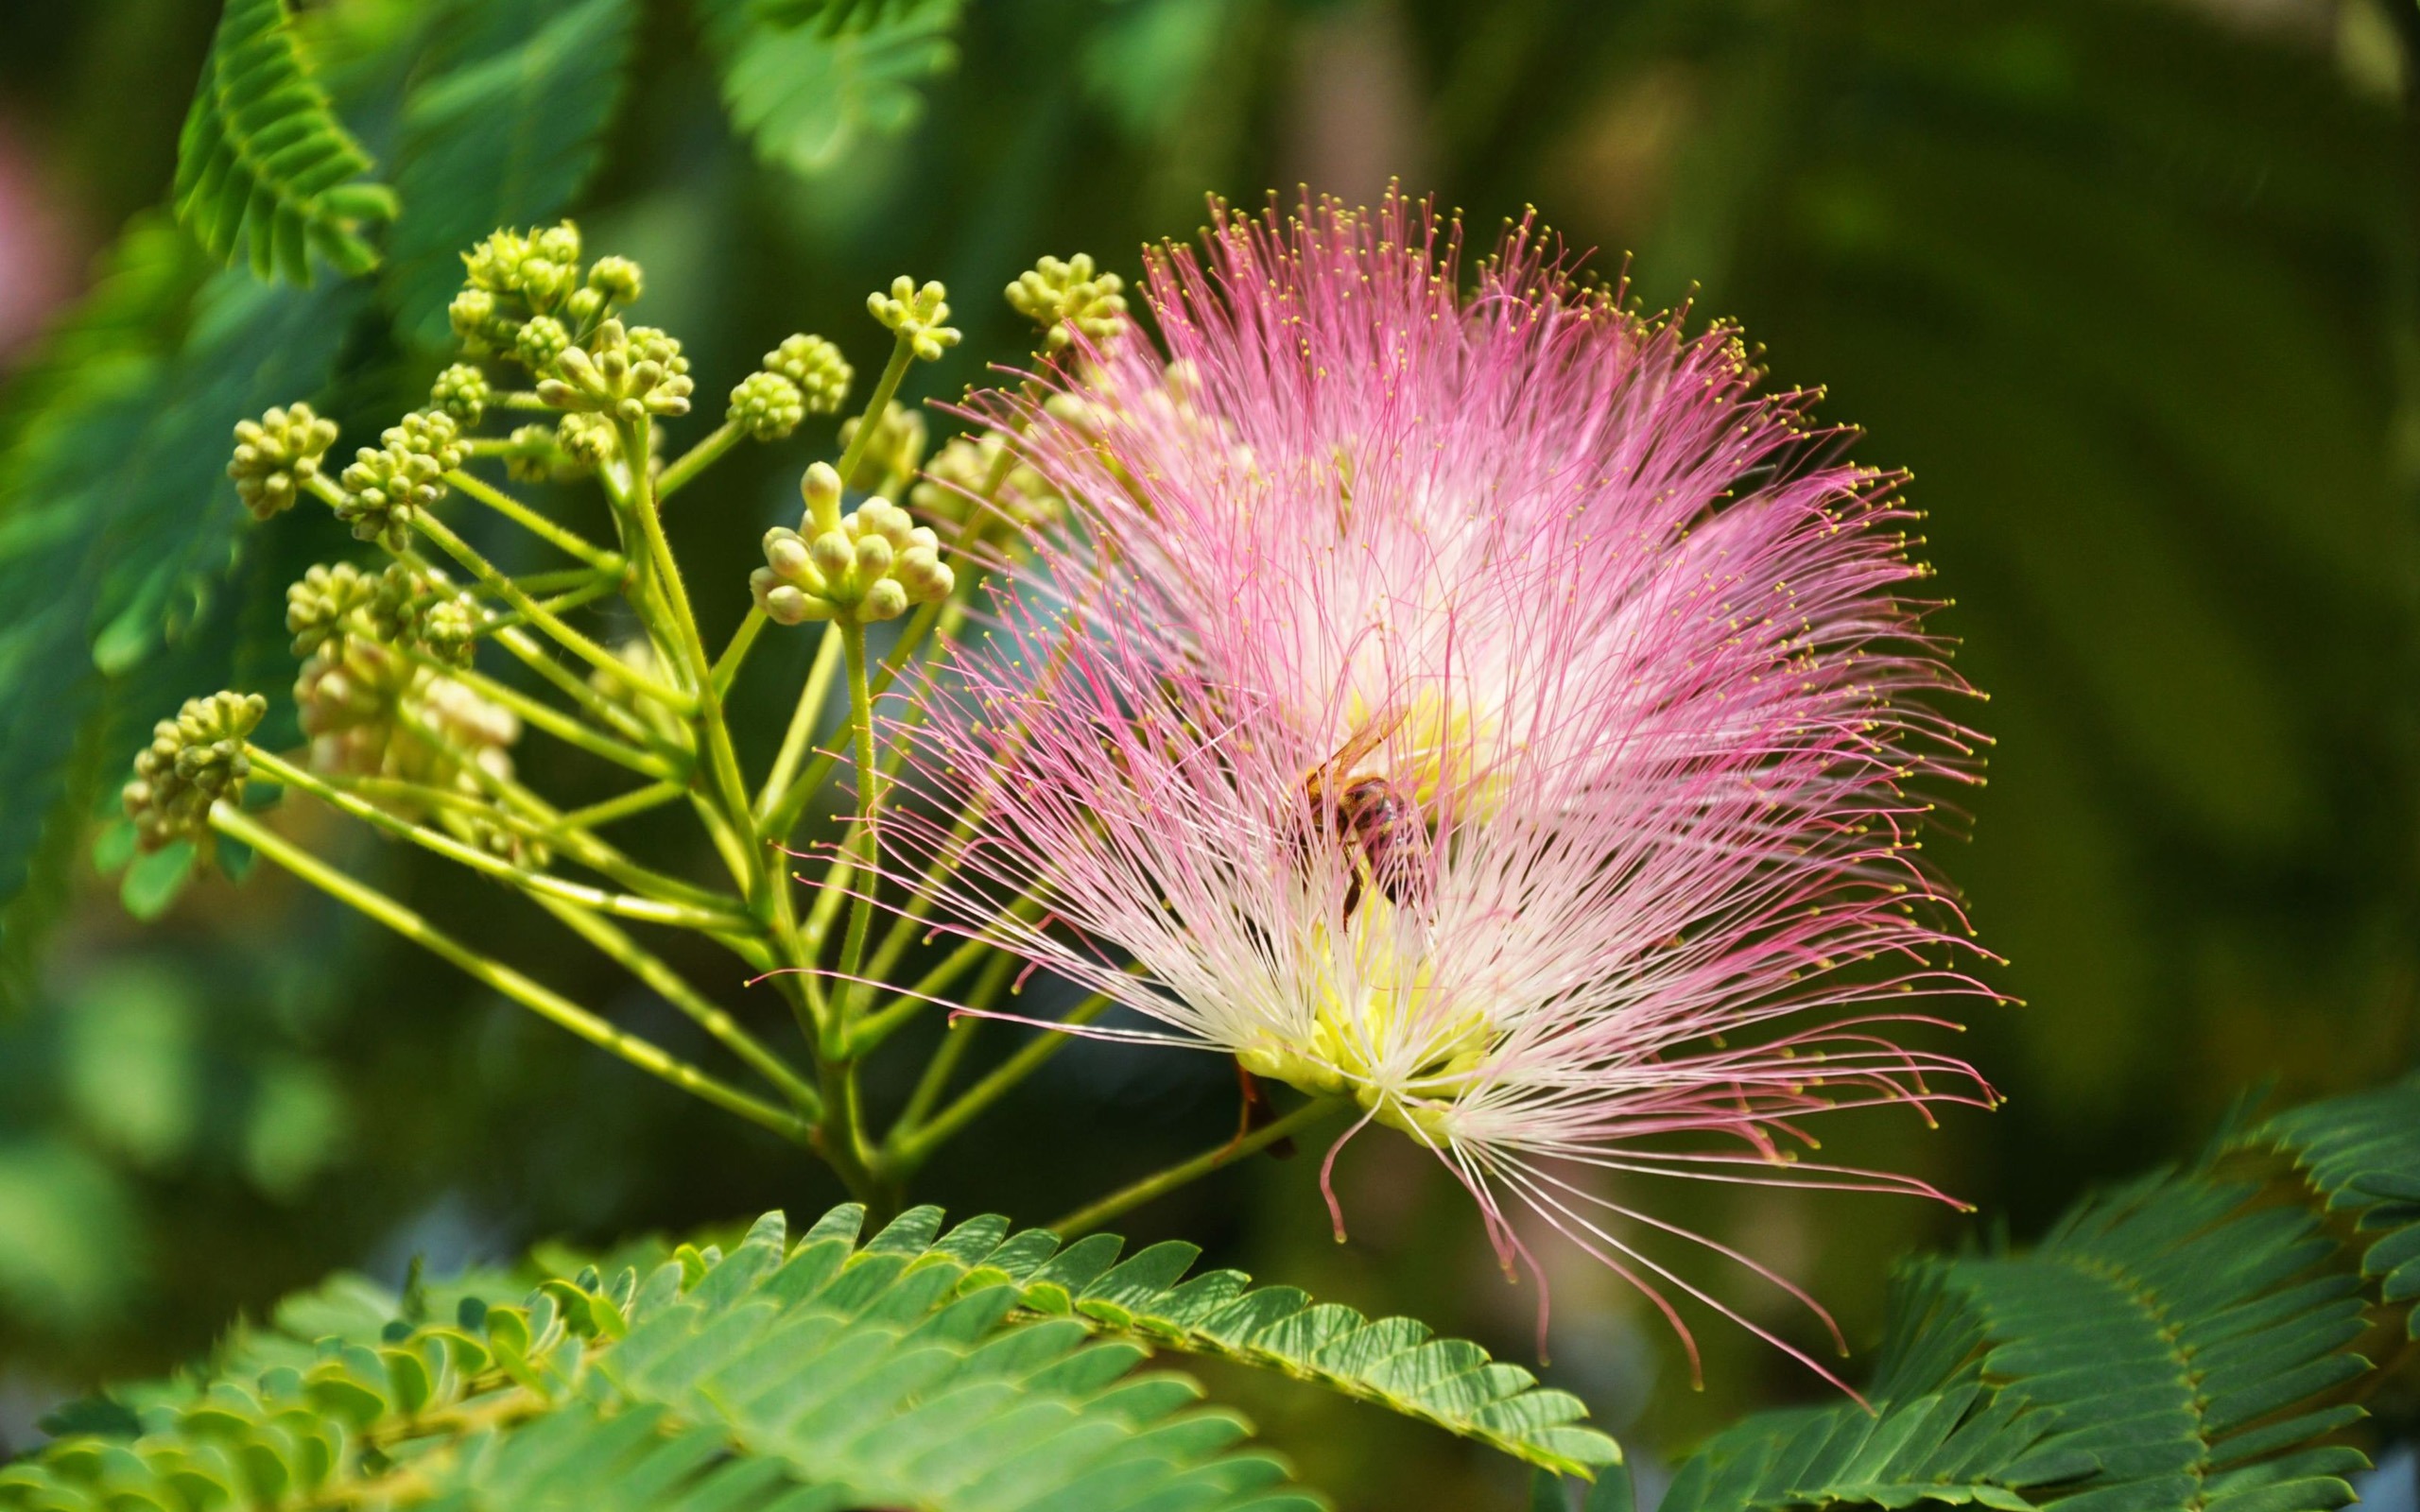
(1488, 711)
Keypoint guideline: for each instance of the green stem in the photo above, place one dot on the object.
(956, 1035)
(646, 910)
(546, 717)
(1086, 1219)
(570, 543)
(743, 640)
(708, 451)
(903, 353)
(536, 614)
(852, 992)
(558, 604)
(547, 1004)
(783, 798)
(668, 985)
(910, 1147)
(722, 760)
(637, 800)
(877, 1027)
(575, 687)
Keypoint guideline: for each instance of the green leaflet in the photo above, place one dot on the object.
(264, 168)
(2183, 1342)
(807, 83)
(505, 127)
(821, 1374)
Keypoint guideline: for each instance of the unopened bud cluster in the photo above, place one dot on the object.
(516, 280)
(625, 375)
(193, 761)
(972, 474)
(815, 366)
(461, 391)
(398, 607)
(387, 484)
(766, 406)
(1069, 297)
(916, 314)
(870, 566)
(277, 455)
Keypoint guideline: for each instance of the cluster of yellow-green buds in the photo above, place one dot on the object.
(517, 280)
(625, 375)
(867, 567)
(388, 484)
(1057, 295)
(815, 366)
(461, 391)
(397, 606)
(193, 761)
(893, 453)
(916, 314)
(969, 468)
(277, 456)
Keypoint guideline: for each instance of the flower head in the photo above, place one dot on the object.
(1488, 709)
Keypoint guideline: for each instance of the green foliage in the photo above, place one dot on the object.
(808, 83)
(902, 1373)
(2186, 1341)
(1398, 1363)
(264, 168)
(505, 127)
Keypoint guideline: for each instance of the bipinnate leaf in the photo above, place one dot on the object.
(2188, 1341)
(264, 170)
(808, 83)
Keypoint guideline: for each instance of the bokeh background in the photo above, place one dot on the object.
(2132, 287)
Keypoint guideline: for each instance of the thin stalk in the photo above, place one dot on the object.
(779, 803)
(709, 1016)
(852, 992)
(946, 615)
(743, 640)
(637, 800)
(708, 451)
(877, 1027)
(902, 353)
(546, 717)
(723, 761)
(558, 604)
(646, 910)
(910, 1147)
(955, 1036)
(536, 613)
(533, 655)
(1085, 1220)
(570, 543)
(547, 1003)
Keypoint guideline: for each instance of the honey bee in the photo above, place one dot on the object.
(1380, 824)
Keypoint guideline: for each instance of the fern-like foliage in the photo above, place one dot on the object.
(264, 168)
(808, 83)
(2184, 1341)
(824, 1374)
(1398, 1363)
(503, 130)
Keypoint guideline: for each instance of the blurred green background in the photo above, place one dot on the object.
(2130, 286)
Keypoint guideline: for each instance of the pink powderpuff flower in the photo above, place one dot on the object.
(1484, 708)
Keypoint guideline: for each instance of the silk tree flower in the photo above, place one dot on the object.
(1487, 708)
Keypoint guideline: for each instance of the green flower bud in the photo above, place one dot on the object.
(819, 369)
(474, 316)
(820, 488)
(316, 605)
(533, 455)
(276, 455)
(626, 374)
(539, 342)
(387, 486)
(766, 406)
(1057, 295)
(896, 450)
(916, 314)
(872, 566)
(582, 306)
(588, 441)
(617, 279)
(193, 761)
(462, 392)
(964, 470)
